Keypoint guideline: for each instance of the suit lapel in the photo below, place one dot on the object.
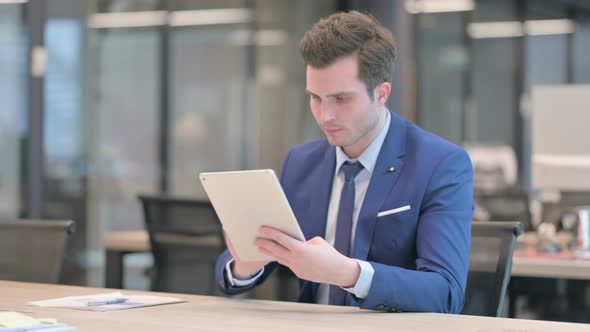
(321, 181)
(382, 182)
(320, 197)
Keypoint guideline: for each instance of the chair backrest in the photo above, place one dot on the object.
(506, 205)
(186, 237)
(33, 250)
(490, 265)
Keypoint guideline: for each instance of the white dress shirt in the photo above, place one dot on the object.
(368, 159)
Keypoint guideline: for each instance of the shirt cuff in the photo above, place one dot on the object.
(241, 283)
(363, 284)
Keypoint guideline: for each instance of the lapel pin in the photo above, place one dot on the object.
(391, 169)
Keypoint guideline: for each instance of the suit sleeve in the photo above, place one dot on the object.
(223, 283)
(442, 247)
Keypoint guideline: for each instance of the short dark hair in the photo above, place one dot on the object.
(346, 33)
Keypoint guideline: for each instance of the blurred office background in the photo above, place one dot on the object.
(103, 99)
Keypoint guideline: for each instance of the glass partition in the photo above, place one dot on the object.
(13, 107)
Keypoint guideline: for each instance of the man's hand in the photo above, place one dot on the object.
(315, 260)
(243, 269)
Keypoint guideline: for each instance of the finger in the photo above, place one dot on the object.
(276, 259)
(283, 262)
(266, 252)
(276, 250)
(280, 237)
(230, 246)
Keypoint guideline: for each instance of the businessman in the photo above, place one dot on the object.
(386, 206)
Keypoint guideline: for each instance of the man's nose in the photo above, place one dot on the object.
(327, 113)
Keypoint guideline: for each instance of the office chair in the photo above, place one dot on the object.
(33, 250)
(186, 238)
(490, 265)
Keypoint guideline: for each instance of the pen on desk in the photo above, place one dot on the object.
(114, 301)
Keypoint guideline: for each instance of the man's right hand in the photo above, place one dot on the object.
(243, 269)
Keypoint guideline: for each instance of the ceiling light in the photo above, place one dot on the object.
(517, 29)
(211, 16)
(127, 19)
(549, 27)
(438, 6)
(175, 18)
(495, 30)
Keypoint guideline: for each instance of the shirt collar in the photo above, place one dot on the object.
(369, 157)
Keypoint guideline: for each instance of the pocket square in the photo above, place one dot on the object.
(393, 211)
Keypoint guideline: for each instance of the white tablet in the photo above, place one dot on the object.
(246, 200)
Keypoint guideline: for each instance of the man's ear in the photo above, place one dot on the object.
(382, 92)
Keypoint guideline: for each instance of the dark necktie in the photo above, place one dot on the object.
(337, 295)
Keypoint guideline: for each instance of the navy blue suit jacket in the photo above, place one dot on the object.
(420, 256)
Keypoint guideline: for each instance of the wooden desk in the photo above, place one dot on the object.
(117, 245)
(204, 313)
(525, 262)
(551, 268)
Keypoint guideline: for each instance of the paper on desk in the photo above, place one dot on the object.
(81, 302)
(11, 321)
(15, 319)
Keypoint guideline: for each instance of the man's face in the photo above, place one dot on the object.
(342, 107)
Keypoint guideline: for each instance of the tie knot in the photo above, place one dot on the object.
(351, 170)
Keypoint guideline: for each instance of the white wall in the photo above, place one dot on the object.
(561, 139)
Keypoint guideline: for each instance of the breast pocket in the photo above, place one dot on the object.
(394, 240)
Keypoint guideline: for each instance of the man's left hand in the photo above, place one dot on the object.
(315, 260)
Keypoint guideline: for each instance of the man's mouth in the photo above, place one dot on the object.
(332, 131)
